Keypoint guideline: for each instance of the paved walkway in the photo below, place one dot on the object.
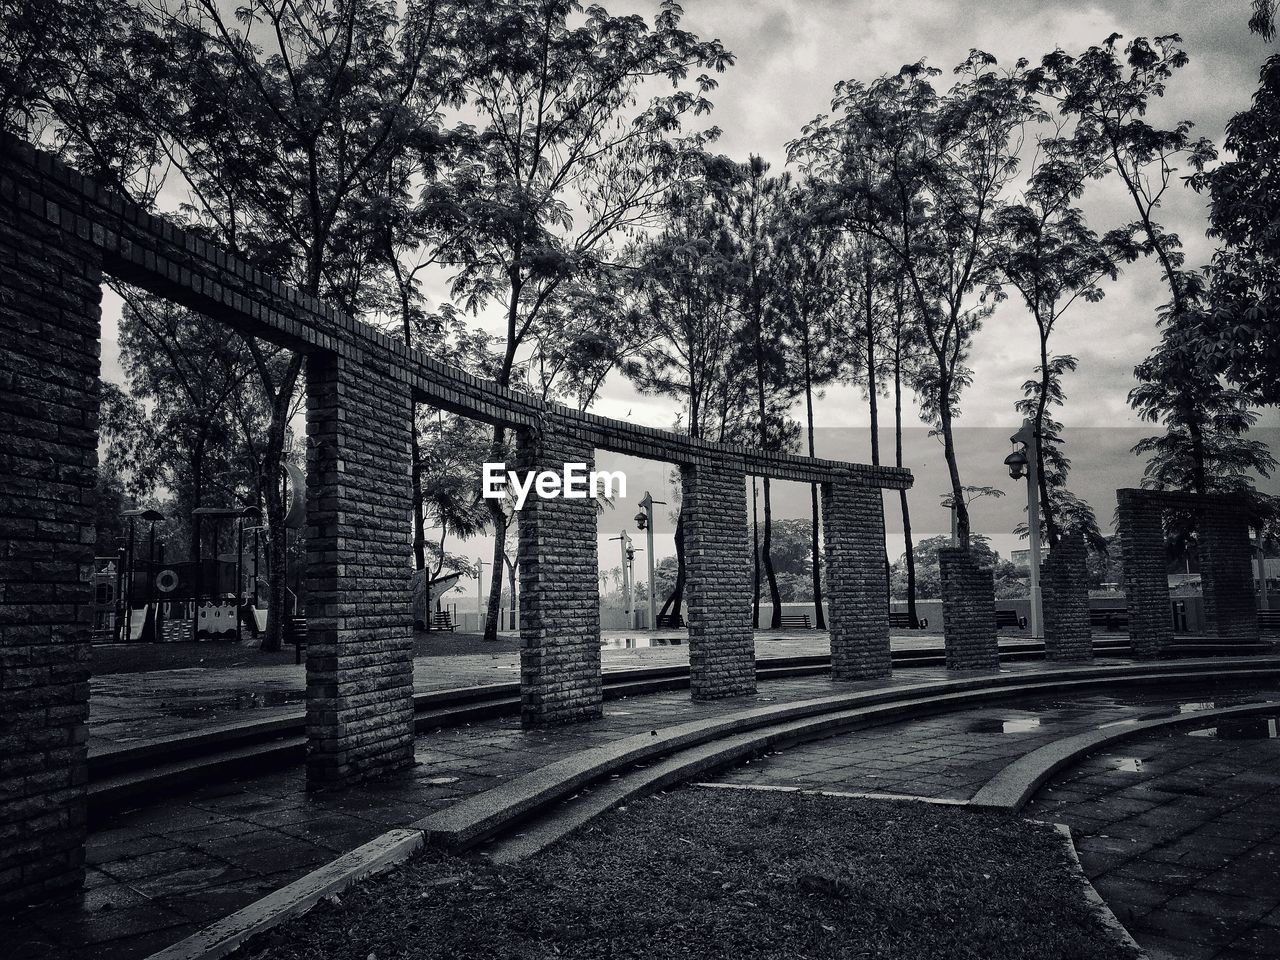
(157, 874)
(128, 707)
(1180, 834)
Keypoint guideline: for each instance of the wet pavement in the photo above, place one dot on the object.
(1180, 834)
(158, 873)
(131, 707)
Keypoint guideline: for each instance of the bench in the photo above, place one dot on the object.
(1009, 618)
(796, 621)
(903, 620)
(670, 621)
(1112, 619)
(1269, 621)
(442, 621)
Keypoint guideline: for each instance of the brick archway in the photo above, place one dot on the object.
(1230, 606)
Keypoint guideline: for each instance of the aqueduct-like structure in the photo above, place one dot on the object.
(60, 233)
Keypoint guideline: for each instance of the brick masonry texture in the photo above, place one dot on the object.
(857, 588)
(1064, 596)
(968, 611)
(560, 678)
(717, 551)
(59, 232)
(1226, 569)
(1230, 603)
(49, 362)
(359, 554)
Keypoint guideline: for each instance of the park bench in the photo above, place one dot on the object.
(670, 621)
(442, 621)
(1269, 621)
(903, 621)
(1009, 618)
(796, 621)
(1112, 619)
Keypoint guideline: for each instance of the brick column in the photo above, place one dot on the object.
(1146, 584)
(49, 330)
(857, 592)
(1226, 574)
(1064, 594)
(717, 557)
(359, 557)
(559, 588)
(968, 611)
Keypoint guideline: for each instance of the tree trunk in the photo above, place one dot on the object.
(671, 606)
(953, 468)
(1042, 482)
(868, 310)
(755, 557)
(513, 603)
(270, 487)
(912, 614)
(775, 622)
(819, 617)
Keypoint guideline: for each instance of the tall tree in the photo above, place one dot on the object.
(808, 284)
(1242, 325)
(565, 158)
(1047, 252)
(942, 163)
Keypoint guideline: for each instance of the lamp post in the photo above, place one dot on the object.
(644, 522)
(152, 517)
(628, 557)
(1026, 463)
(479, 597)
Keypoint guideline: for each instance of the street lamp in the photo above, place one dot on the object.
(644, 522)
(1025, 463)
(628, 558)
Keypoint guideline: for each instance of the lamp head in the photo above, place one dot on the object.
(642, 520)
(1017, 464)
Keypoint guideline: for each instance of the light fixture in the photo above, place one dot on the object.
(642, 520)
(1017, 464)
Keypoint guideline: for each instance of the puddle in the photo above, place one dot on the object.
(639, 643)
(439, 781)
(1004, 725)
(203, 701)
(1245, 728)
(1195, 707)
(1126, 764)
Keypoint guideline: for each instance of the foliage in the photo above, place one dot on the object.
(1241, 328)
(929, 572)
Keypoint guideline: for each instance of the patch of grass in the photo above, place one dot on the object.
(727, 874)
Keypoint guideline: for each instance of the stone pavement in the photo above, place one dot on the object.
(1180, 834)
(160, 872)
(953, 755)
(128, 707)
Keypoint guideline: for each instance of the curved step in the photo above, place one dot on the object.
(727, 737)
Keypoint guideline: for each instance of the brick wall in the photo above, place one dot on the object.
(1146, 583)
(857, 589)
(968, 611)
(1064, 596)
(359, 557)
(559, 589)
(49, 335)
(1230, 601)
(717, 551)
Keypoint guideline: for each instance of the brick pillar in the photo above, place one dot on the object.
(359, 558)
(718, 581)
(968, 611)
(1226, 574)
(857, 592)
(560, 678)
(1064, 591)
(1146, 583)
(49, 330)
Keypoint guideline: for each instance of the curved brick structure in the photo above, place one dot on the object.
(1064, 592)
(968, 611)
(1226, 567)
(59, 233)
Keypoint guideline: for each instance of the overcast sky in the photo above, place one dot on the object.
(789, 55)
